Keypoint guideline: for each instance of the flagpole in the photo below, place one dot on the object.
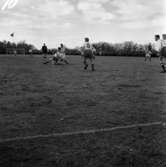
(13, 41)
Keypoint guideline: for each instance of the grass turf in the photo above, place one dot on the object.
(43, 99)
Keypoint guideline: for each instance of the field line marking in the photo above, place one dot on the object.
(162, 124)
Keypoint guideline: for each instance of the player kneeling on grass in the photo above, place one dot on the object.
(59, 56)
(148, 53)
(88, 54)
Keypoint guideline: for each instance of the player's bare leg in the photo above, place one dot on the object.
(162, 63)
(66, 61)
(92, 64)
(150, 58)
(163, 67)
(85, 63)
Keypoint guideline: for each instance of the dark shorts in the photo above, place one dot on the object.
(55, 59)
(163, 52)
(88, 54)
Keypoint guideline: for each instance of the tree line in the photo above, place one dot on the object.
(7, 47)
(128, 48)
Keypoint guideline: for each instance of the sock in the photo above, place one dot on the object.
(163, 66)
(86, 66)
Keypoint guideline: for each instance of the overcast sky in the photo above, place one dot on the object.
(69, 21)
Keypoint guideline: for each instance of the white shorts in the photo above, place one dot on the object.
(148, 55)
(63, 56)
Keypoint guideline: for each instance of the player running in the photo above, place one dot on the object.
(158, 49)
(163, 53)
(88, 54)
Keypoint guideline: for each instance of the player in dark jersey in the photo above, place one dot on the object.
(44, 50)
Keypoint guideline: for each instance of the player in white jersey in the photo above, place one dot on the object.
(158, 49)
(88, 54)
(61, 55)
(58, 56)
(158, 45)
(163, 52)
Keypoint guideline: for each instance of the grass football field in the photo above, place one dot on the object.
(38, 99)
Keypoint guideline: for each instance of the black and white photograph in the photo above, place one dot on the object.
(82, 83)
